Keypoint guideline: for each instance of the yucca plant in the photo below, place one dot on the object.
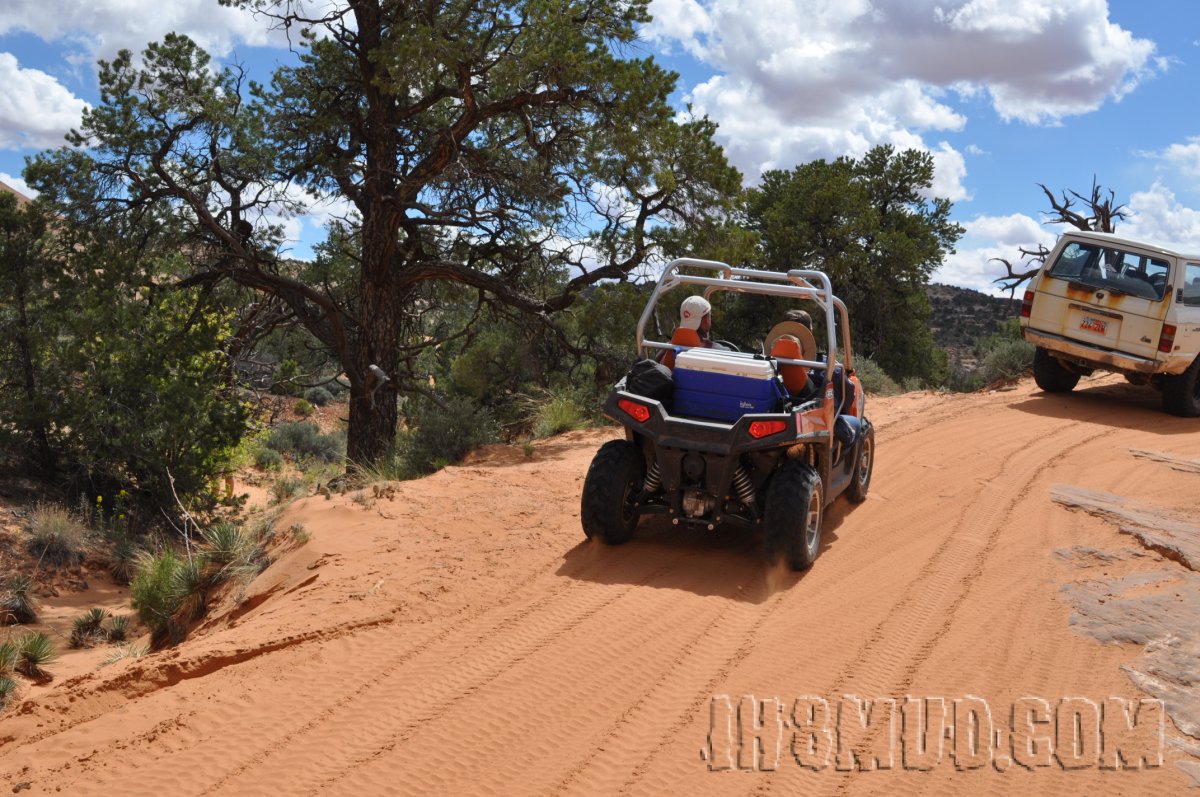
(35, 652)
(8, 689)
(125, 652)
(226, 543)
(123, 560)
(118, 628)
(88, 628)
(8, 658)
(17, 604)
(192, 579)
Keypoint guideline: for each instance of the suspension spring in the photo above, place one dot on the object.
(743, 486)
(653, 480)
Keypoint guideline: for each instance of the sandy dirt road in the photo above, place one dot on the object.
(460, 637)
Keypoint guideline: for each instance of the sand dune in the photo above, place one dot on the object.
(461, 637)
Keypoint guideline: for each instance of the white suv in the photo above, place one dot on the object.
(1101, 301)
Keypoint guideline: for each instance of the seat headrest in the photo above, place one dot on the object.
(686, 337)
(808, 344)
(787, 346)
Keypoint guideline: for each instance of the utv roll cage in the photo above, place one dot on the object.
(794, 284)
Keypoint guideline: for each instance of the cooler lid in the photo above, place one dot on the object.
(725, 362)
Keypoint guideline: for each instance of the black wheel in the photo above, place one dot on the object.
(613, 482)
(857, 491)
(1050, 374)
(1181, 392)
(795, 508)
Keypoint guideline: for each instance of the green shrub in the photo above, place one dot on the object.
(285, 379)
(57, 536)
(302, 439)
(1007, 359)
(303, 408)
(873, 378)
(268, 459)
(8, 657)
(17, 604)
(286, 488)
(318, 396)
(8, 690)
(558, 413)
(441, 436)
(35, 652)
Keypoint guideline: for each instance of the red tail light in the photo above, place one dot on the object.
(764, 428)
(1027, 304)
(1166, 341)
(639, 412)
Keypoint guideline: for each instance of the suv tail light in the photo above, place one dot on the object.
(1027, 304)
(760, 429)
(1166, 341)
(639, 412)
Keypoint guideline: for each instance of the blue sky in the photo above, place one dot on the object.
(1004, 93)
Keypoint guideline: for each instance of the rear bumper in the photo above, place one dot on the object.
(1093, 357)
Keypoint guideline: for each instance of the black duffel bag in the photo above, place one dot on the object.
(652, 380)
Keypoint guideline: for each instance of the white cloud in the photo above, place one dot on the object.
(823, 78)
(18, 185)
(682, 21)
(1182, 159)
(1157, 215)
(35, 109)
(974, 264)
(99, 28)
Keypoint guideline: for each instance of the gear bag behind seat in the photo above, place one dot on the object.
(652, 380)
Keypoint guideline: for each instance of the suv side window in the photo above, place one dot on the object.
(1115, 269)
(1191, 285)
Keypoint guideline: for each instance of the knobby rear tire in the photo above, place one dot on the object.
(613, 481)
(860, 483)
(794, 514)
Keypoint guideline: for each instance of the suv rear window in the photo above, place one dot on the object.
(1191, 285)
(1114, 269)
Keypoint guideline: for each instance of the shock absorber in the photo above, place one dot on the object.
(743, 486)
(653, 479)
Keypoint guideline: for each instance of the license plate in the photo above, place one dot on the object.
(1097, 325)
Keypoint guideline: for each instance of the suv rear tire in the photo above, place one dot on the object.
(613, 482)
(1050, 374)
(1181, 392)
(793, 517)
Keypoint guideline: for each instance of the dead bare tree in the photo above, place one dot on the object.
(1101, 215)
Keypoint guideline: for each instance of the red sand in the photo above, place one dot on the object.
(463, 638)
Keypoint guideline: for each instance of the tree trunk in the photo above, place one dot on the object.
(376, 342)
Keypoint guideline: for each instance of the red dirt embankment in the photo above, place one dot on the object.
(461, 637)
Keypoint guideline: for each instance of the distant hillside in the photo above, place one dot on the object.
(960, 315)
(21, 198)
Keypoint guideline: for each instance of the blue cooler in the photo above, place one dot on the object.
(723, 385)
